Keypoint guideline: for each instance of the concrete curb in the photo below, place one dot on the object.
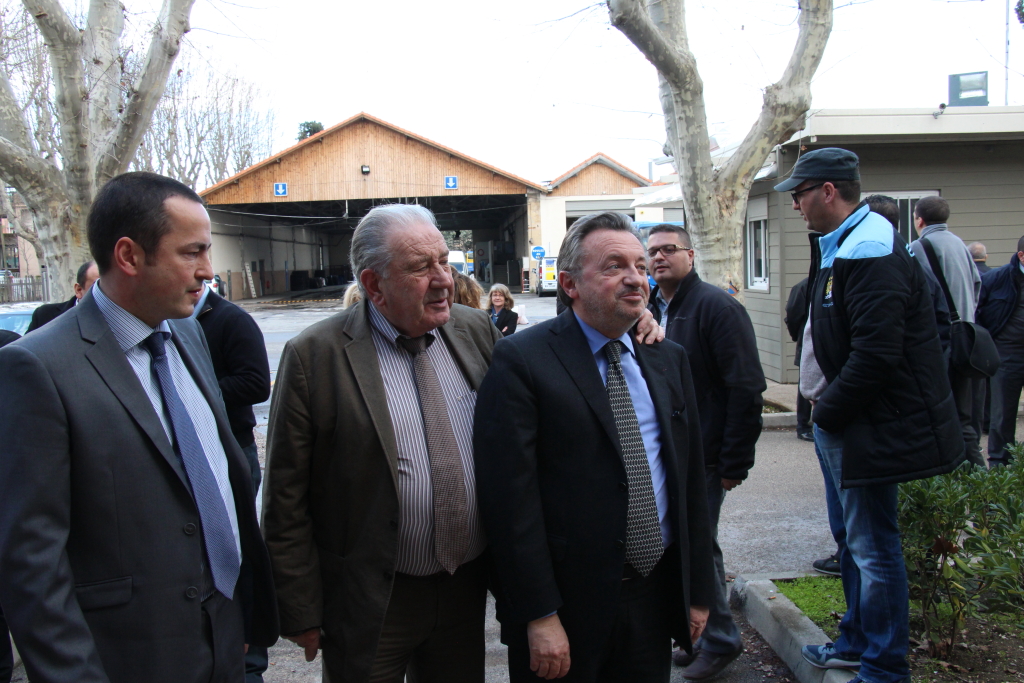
(784, 626)
(776, 420)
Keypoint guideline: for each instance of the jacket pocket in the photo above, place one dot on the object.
(107, 593)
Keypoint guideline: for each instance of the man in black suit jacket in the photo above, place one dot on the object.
(87, 275)
(593, 494)
(129, 546)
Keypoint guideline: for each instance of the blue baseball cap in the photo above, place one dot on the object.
(829, 163)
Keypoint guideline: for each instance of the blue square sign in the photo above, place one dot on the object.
(280, 189)
(451, 182)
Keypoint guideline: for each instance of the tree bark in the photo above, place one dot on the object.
(715, 200)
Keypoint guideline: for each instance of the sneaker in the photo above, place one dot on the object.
(805, 436)
(830, 566)
(826, 657)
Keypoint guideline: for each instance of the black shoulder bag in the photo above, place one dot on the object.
(972, 351)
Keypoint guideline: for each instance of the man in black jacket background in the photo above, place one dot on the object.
(87, 274)
(1001, 312)
(718, 336)
(243, 373)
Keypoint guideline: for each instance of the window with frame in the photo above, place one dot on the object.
(907, 201)
(756, 243)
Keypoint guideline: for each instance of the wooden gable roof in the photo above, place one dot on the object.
(600, 174)
(327, 166)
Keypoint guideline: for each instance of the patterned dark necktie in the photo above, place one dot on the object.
(643, 530)
(451, 512)
(221, 551)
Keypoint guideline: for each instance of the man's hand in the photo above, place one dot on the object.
(549, 647)
(648, 331)
(310, 641)
(730, 484)
(698, 620)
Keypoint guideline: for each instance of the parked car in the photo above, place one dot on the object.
(16, 321)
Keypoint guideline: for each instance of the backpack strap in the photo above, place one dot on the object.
(937, 269)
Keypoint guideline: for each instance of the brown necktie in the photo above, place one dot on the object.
(451, 513)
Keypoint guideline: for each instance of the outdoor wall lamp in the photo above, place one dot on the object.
(365, 169)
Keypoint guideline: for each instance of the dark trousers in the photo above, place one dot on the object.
(803, 413)
(256, 659)
(963, 397)
(639, 649)
(721, 635)
(434, 628)
(1006, 388)
(223, 658)
(6, 655)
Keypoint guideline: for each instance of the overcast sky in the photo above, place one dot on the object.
(519, 86)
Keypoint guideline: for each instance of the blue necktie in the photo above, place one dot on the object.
(217, 535)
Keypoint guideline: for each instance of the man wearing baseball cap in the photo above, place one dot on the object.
(873, 368)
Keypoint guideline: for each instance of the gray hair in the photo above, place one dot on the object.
(370, 240)
(570, 254)
(977, 250)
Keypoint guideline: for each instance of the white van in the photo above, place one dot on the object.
(457, 260)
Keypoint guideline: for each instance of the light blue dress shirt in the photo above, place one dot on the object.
(643, 405)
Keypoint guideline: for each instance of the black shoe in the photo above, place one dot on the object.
(830, 566)
(709, 664)
(683, 658)
(805, 436)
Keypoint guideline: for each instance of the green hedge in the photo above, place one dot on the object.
(963, 543)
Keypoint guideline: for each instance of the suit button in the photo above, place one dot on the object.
(620, 544)
(394, 523)
(190, 528)
(191, 592)
(623, 486)
(388, 576)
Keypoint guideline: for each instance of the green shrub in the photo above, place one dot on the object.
(963, 543)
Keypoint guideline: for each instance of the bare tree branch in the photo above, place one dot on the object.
(631, 17)
(34, 178)
(64, 41)
(14, 220)
(12, 122)
(103, 67)
(785, 102)
(146, 92)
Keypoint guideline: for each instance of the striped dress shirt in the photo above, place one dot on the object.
(415, 493)
(130, 332)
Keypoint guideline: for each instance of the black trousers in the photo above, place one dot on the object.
(963, 397)
(803, 413)
(1006, 388)
(434, 628)
(639, 649)
(6, 655)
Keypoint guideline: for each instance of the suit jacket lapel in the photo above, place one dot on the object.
(571, 348)
(112, 365)
(465, 354)
(362, 359)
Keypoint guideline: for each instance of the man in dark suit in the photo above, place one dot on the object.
(87, 275)
(129, 547)
(591, 478)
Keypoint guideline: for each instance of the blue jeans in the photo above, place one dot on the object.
(876, 626)
(721, 635)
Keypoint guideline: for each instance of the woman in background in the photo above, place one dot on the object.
(467, 291)
(502, 315)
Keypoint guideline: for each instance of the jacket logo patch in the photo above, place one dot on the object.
(828, 291)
